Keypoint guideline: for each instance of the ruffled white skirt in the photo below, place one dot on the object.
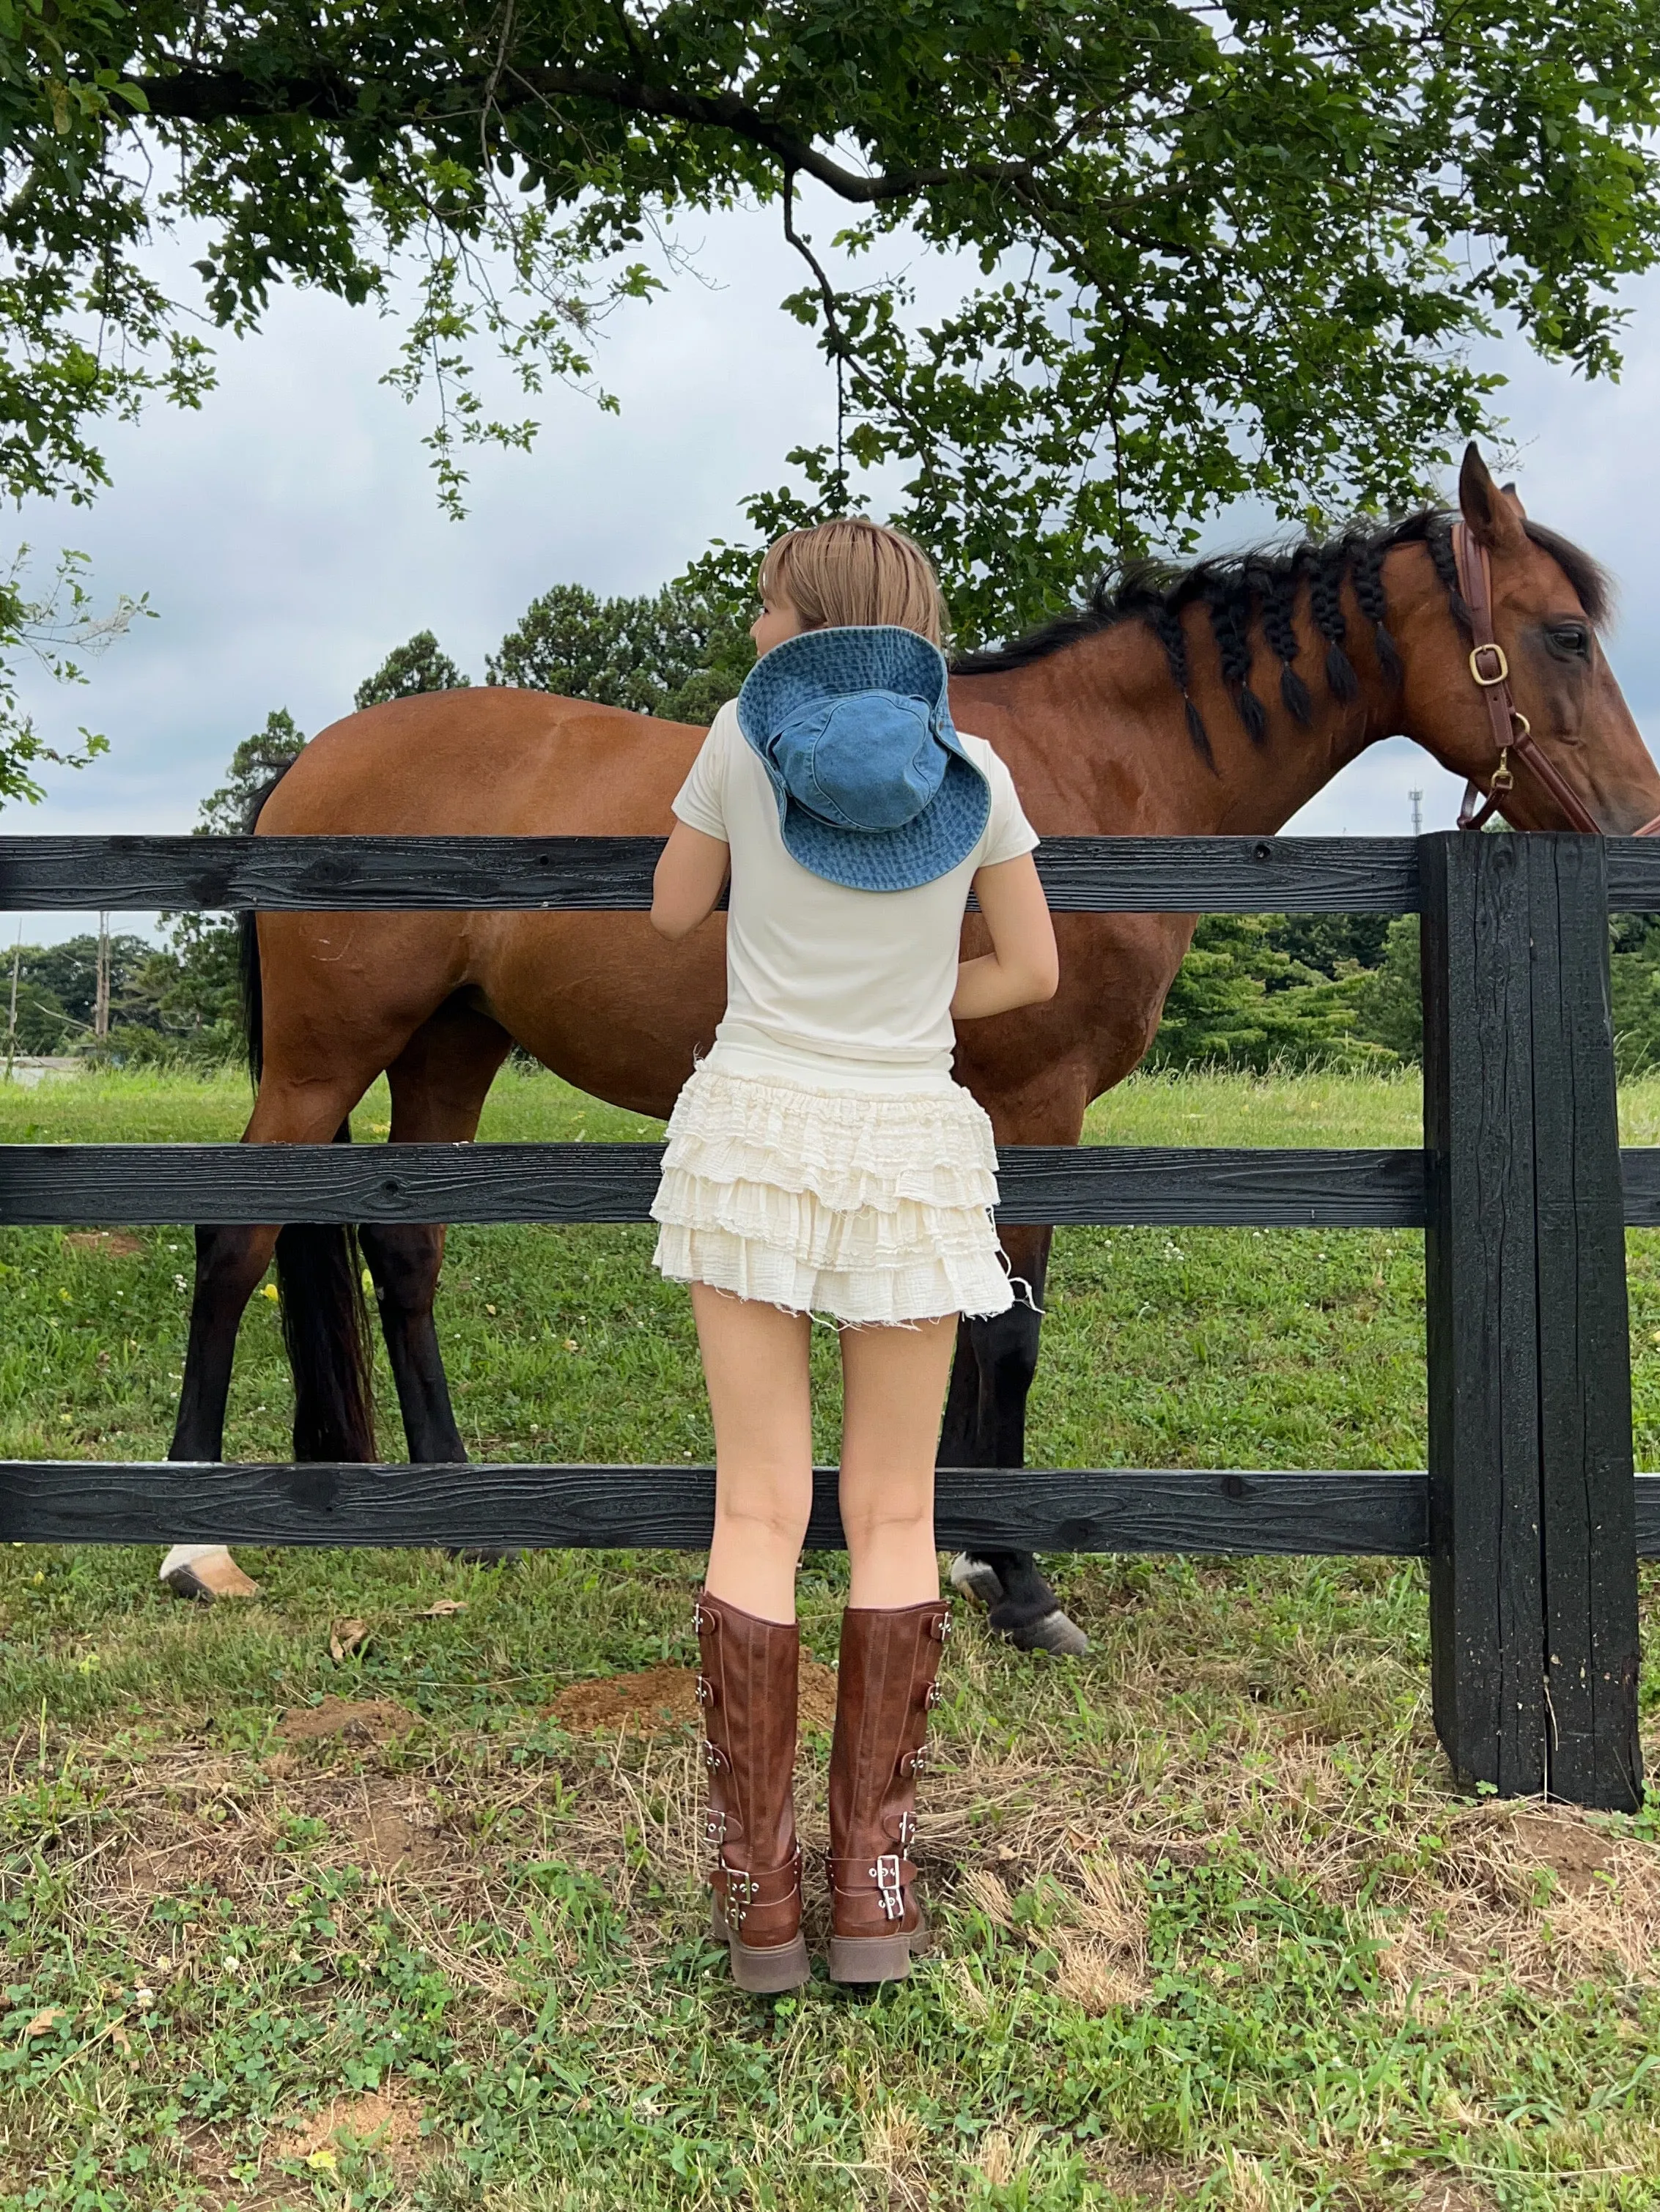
(865, 1205)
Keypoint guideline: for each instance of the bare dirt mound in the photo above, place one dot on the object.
(661, 1698)
(113, 1243)
(365, 1720)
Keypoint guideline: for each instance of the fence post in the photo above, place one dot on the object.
(1533, 1555)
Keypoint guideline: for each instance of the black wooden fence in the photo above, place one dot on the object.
(1529, 1514)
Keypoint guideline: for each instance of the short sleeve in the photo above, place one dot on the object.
(700, 801)
(1008, 834)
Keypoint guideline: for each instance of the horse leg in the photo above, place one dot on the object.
(985, 1426)
(230, 1262)
(439, 1083)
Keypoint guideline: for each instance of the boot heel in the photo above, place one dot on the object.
(764, 1971)
(869, 1958)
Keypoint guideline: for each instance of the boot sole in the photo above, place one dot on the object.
(762, 1970)
(874, 1958)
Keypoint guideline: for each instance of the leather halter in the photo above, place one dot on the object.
(1511, 731)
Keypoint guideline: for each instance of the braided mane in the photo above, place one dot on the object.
(1263, 587)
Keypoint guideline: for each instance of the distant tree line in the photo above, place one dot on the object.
(1255, 990)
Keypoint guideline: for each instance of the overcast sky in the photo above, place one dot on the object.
(288, 537)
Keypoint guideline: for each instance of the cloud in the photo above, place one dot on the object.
(288, 536)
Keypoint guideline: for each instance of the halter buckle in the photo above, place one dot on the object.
(1497, 652)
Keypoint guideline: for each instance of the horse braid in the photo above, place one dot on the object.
(1166, 626)
(1279, 628)
(1439, 542)
(1366, 568)
(1230, 621)
(1326, 604)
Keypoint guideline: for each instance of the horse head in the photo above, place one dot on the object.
(1574, 749)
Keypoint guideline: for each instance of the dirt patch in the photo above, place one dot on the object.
(384, 1836)
(365, 1720)
(1575, 1854)
(386, 2122)
(113, 1243)
(662, 1699)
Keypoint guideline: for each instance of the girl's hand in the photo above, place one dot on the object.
(688, 881)
(1023, 968)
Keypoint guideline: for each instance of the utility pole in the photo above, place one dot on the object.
(1417, 799)
(101, 1005)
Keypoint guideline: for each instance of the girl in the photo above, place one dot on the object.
(821, 1160)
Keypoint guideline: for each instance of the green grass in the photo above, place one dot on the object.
(1214, 1926)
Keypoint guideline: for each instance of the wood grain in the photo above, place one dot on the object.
(1487, 1606)
(1055, 1510)
(1100, 875)
(1588, 1534)
(1110, 1183)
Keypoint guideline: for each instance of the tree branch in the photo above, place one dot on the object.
(197, 95)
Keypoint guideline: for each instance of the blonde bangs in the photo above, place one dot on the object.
(853, 572)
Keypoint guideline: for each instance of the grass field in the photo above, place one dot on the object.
(350, 1898)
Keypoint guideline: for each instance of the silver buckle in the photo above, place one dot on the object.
(906, 1831)
(705, 1690)
(700, 1620)
(932, 1697)
(885, 1875)
(941, 1629)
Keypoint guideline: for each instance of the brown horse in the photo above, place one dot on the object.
(1146, 713)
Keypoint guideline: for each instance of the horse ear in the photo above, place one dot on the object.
(1494, 517)
(1514, 499)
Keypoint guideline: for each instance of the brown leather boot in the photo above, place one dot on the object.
(748, 1690)
(885, 1686)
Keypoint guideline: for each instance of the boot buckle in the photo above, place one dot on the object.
(941, 1628)
(713, 1757)
(701, 1619)
(934, 1695)
(889, 1888)
(705, 1691)
(906, 1831)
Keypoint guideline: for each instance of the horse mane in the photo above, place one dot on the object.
(1263, 585)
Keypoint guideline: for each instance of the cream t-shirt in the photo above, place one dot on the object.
(814, 967)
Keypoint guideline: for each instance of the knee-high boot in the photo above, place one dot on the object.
(886, 1683)
(748, 1691)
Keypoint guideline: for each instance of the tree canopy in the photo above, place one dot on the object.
(678, 652)
(1195, 252)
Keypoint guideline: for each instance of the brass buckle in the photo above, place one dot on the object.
(1501, 779)
(1498, 651)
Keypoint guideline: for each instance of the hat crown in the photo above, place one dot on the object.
(874, 787)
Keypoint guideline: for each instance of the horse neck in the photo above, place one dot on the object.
(1131, 766)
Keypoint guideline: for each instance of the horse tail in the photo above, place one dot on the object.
(251, 983)
(326, 1329)
(319, 1270)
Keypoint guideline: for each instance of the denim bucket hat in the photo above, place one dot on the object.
(874, 790)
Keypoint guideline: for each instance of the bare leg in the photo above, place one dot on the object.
(755, 1362)
(893, 1386)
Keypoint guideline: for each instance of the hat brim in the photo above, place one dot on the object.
(929, 846)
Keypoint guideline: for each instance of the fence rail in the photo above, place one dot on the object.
(1529, 1514)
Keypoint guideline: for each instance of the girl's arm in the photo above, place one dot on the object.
(688, 881)
(1023, 967)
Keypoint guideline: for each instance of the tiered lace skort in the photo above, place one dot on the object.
(866, 1205)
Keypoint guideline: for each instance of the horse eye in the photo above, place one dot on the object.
(1569, 640)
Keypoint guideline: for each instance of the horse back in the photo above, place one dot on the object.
(488, 762)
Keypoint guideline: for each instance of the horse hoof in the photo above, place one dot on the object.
(485, 1555)
(1054, 1632)
(973, 1578)
(207, 1577)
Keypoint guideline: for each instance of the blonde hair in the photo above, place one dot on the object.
(853, 571)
